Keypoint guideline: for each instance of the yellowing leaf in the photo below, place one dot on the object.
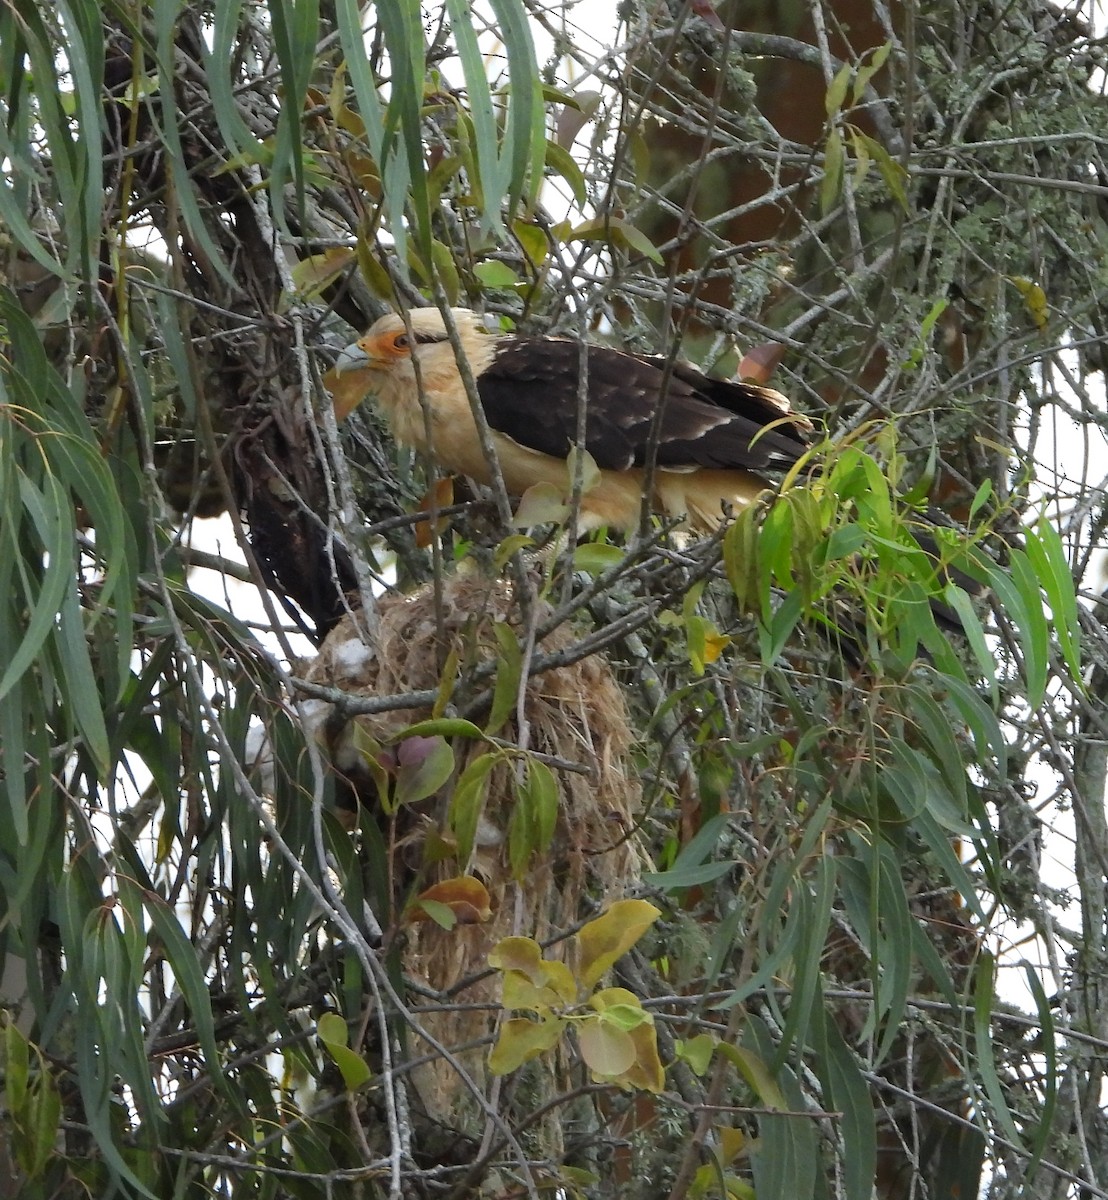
(522, 1040)
(608, 1052)
(714, 645)
(516, 954)
(553, 988)
(312, 274)
(646, 1073)
(548, 984)
(611, 935)
(756, 1073)
(1034, 298)
(590, 472)
(836, 93)
(541, 504)
(705, 642)
(532, 240)
(510, 545)
(732, 1143)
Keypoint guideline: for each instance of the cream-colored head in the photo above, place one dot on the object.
(389, 349)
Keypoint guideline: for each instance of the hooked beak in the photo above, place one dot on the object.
(351, 358)
(349, 380)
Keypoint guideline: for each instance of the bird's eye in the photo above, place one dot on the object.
(400, 342)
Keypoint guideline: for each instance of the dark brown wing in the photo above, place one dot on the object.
(529, 392)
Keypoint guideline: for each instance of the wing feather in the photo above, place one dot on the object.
(529, 392)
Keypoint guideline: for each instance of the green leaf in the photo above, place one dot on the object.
(81, 690)
(560, 160)
(690, 866)
(442, 914)
(444, 727)
(834, 157)
(333, 1033)
(525, 133)
(1044, 1134)
(421, 779)
(594, 558)
(696, 1052)
(1019, 592)
(752, 1066)
(814, 900)
(787, 1158)
(468, 801)
(496, 274)
(836, 93)
(181, 956)
(891, 954)
(533, 241)
(974, 633)
(233, 129)
(1048, 559)
(846, 1090)
(740, 557)
(892, 172)
(984, 981)
(493, 170)
(988, 737)
(865, 73)
(636, 240)
(615, 230)
(772, 638)
(915, 359)
(509, 667)
(938, 841)
(541, 791)
(522, 833)
(295, 25)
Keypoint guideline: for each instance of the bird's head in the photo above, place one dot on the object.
(382, 358)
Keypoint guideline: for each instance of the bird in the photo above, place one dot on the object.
(714, 438)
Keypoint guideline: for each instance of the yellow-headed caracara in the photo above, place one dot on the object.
(714, 435)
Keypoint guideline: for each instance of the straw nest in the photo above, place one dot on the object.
(575, 714)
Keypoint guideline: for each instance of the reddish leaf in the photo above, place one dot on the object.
(704, 10)
(466, 897)
(759, 363)
(439, 496)
(573, 118)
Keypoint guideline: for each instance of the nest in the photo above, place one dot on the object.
(575, 714)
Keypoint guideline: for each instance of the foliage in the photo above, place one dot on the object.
(268, 928)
